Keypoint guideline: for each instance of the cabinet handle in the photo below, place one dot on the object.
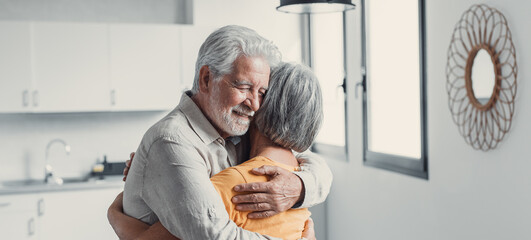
(35, 98)
(40, 207)
(25, 100)
(113, 97)
(31, 227)
(5, 204)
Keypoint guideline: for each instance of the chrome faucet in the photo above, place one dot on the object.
(48, 170)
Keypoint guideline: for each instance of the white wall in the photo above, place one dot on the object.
(24, 137)
(261, 15)
(470, 194)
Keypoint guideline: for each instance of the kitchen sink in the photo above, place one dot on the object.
(75, 180)
(38, 182)
(69, 184)
(22, 183)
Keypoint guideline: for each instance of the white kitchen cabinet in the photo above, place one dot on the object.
(70, 67)
(75, 214)
(15, 67)
(80, 214)
(48, 67)
(145, 66)
(19, 216)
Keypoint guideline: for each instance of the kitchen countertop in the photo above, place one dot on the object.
(37, 186)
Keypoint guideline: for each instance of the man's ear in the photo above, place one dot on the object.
(205, 78)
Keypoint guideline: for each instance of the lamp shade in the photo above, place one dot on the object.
(315, 6)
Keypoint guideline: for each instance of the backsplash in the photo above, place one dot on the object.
(23, 140)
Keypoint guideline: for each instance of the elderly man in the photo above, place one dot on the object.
(169, 180)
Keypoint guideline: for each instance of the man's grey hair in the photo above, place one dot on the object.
(225, 45)
(292, 111)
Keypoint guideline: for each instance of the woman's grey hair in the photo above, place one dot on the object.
(292, 111)
(225, 45)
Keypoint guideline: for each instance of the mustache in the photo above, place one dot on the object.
(244, 110)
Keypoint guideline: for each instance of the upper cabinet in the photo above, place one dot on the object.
(145, 66)
(15, 67)
(87, 67)
(71, 67)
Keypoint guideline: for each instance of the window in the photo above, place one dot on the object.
(393, 82)
(326, 57)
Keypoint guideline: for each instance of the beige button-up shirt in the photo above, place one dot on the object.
(170, 177)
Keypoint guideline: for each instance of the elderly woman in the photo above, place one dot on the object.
(288, 119)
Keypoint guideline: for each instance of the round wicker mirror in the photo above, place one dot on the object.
(481, 76)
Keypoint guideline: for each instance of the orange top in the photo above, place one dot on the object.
(285, 225)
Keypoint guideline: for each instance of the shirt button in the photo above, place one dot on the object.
(211, 212)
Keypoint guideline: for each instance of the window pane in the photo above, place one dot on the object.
(327, 63)
(393, 77)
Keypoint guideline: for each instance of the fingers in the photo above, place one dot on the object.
(309, 224)
(255, 207)
(128, 165)
(264, 214)
(251, 198)
(309, 230)
(253, 187)
(268, 170)
(126, 169)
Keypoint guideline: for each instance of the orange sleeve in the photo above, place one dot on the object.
(224, 182)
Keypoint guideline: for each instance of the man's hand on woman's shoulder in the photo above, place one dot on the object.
(283, 190)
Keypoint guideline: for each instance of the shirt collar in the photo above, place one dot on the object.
(199, 123)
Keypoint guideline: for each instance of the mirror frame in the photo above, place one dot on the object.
(481, 27)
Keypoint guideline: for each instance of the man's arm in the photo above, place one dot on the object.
(178, 189)
(316, 176)
(285, 189)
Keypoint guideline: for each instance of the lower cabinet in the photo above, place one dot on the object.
(19, 216)
(77, 215)
(80, 214)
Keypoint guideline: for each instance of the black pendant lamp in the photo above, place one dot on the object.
(315, 6)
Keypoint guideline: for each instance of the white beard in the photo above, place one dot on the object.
(234, 125)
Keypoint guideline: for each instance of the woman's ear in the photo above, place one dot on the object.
(205, 76)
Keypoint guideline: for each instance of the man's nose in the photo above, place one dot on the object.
(253, 101)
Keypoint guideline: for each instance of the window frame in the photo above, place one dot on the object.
(334, 151)
(395, 163)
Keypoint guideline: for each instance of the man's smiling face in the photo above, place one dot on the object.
(235, 97)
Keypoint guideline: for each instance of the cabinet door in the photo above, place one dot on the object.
(19, 225)
(18, 216)
(71, 67)
(77, 214)
(145, 66)
(192, 38)
(15, 67)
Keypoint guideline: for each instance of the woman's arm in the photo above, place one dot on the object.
(156, 231)
(131, 228)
